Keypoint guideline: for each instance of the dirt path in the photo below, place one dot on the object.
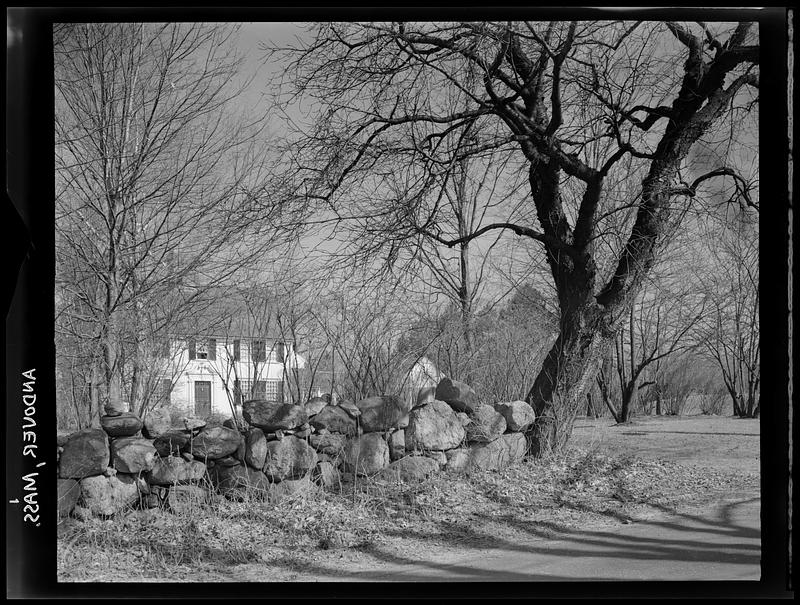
(720, 541)
(718, 544)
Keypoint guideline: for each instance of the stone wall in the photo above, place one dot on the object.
(283, 449)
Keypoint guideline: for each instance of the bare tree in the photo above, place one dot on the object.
(592, 114)
(731, 335)
(660, 325)
(153, 181)
(364, 334)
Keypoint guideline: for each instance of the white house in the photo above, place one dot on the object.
(209, 374)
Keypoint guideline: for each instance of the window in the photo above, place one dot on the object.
(237, 350)
(274, 390)
(271, 390)
(260, 389)
(203, 349)
(244, 387)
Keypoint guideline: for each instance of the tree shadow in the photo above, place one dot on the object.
(640, 432)
(683, 538)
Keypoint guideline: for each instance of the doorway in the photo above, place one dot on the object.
(202, 398)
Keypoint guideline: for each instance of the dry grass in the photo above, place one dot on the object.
(206, 539)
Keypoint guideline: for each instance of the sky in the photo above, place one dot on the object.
(251, 37)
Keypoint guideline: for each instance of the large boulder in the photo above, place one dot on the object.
(241, 451)
(237, 481)
(255, 453)
(132, 455)
(486, 425)
(409, 469)
(433, 426)
(124, 425)
(519, 415)
(336, 420)
(288, 458)
(116, 407)
(366, 455)
(107, 496)
(157, 422)
(191, 424)
(381, 413)
(62, 437)
(214, 443)
(349, 407)
(85, 454)
(397, 444)
(457, 395)
(69, 491)
(498, 454)
(171, 443)
(331, 444)
(173, 470)
(314, 406)
(270, 416)
(233, 423)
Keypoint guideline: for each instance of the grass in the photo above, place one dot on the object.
(580, 489)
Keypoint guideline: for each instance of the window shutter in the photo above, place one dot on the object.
(192, 349)
(237, 390)
(212, 348)
(280, 350)
(259, 350)
(237, 350)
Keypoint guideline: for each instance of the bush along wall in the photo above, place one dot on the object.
(284, 449)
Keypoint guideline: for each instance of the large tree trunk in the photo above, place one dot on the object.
(567, 374)
(628, 396)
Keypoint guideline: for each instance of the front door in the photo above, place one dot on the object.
(202, 398)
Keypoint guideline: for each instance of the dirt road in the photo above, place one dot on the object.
(720, 541)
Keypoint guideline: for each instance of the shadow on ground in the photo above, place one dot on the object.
(555, 553)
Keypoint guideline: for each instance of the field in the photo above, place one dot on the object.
(528, 522)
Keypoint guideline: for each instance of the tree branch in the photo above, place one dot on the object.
(518, 229)
(742, 186)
